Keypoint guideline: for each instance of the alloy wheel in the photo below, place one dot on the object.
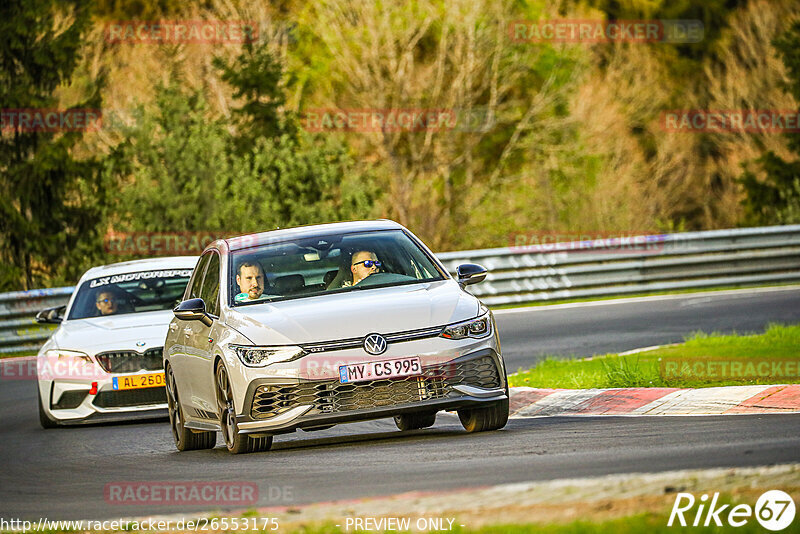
(228, 415)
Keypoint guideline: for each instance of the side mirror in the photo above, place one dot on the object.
(470, 273)
(51, 315)
(193, 310)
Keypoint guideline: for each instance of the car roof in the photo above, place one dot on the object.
(150, 264)
(262, 238)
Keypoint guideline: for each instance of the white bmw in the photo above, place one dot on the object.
(308, 327)
(104, 360)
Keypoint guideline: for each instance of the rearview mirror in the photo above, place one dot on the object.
(193, 310)
(470, 273)
(51, 315)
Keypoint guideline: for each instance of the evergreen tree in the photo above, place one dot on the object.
(255, 77)
(776, 199)
(180, 170)
(48, 207)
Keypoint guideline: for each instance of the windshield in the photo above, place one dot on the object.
(133, 292)
(328, 264)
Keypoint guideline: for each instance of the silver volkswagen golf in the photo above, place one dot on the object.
(318, 325)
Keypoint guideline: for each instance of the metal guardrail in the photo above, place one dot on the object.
(600, 268)
(546, 272)
(19, 332)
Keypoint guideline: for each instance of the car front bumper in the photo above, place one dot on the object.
(278, 406)
(70, 401)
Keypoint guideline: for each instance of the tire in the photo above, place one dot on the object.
(413, 421)
(492, 417)
(44, 419)
(185, 439)
(235, 442)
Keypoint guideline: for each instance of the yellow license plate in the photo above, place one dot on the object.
(150, 380)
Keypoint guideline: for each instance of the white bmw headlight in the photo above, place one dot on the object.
(62, 354)
(263, 356)
(476, 328)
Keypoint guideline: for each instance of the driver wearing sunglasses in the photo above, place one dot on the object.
(106, 303)
(363, 264)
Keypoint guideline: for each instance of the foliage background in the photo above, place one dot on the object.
(208, 137)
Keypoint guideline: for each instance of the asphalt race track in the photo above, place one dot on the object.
(62, 473)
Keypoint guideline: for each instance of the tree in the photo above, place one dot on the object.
(48, 210)
(776, 199)
(295, 177)
(180, 170)
(504, 104)
(170, 166)
(255, 76)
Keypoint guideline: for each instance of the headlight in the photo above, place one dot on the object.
(62, 354)
(263, 356)
(477, 328)
(66, 365)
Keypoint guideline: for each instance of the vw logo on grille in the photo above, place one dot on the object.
(375, 344)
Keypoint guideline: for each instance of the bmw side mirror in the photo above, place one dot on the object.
(470, 273)
(193, 310)
(51, 315)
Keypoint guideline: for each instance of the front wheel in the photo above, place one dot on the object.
(185, 439)
(482, 419)
(44, 419)
(413, 421)
(235, 442)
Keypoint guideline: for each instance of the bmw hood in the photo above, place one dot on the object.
(354, 314)
(134, 331)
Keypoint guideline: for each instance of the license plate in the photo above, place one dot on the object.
(150, 380)
(360, 372)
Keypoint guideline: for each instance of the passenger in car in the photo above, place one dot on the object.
(363, 264)
(250, 279)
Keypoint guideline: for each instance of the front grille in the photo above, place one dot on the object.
(331, 396)
(129, 361)
(130, 397)
(352, 343)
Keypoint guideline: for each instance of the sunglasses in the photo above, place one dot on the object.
(368, 263)
(105, 301)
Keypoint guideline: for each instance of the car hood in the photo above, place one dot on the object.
(354, 314)
(133, 331)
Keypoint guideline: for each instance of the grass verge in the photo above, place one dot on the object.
(703, 360)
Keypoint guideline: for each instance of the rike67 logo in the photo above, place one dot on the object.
(774, 510)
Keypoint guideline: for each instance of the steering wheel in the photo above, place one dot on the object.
(383, 278)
